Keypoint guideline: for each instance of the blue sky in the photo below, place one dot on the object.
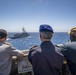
(60, 14)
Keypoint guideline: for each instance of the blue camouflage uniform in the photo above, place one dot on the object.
(69, 51)
(46, 59)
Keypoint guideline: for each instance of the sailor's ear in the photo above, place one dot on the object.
(40, 37)
(52, 35)
(3, 39)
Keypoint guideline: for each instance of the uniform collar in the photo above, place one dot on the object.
(46, 42)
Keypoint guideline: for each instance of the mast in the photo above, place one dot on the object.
(23, 29)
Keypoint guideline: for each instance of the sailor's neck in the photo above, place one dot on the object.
(44, 40)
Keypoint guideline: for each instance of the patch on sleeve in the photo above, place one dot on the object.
(7, 43)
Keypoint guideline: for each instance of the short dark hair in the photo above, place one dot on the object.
(3, 33)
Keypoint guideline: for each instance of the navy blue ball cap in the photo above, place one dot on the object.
(46, 27)
(3, 33)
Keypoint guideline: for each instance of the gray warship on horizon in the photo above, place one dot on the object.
(20, 35)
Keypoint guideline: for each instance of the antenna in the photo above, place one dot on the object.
(23, 29)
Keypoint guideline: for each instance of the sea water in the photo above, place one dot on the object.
(33, 39)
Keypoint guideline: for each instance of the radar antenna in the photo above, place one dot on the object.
(23, 29)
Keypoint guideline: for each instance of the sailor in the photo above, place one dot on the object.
(46, 59)
(6, 53)
(69, 51)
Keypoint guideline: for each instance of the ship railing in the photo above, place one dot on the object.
(22, 66)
